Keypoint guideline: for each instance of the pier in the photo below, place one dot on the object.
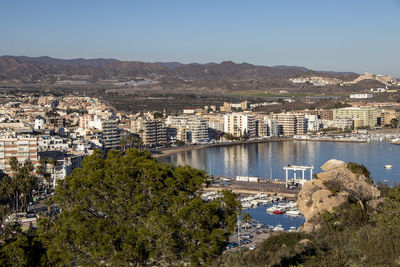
(268, 187)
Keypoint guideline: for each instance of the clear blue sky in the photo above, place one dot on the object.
(341, 35)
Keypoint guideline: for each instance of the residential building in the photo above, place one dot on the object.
(240, 124)
(22, 148)
(110, 134)
(272, 127)
(152, 132)
(312, 122)
(362, 117)
(292, 123)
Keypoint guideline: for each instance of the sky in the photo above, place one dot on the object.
(338, 35)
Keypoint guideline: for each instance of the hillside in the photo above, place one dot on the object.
(46, 69)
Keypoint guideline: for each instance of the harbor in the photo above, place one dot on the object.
(266, 215)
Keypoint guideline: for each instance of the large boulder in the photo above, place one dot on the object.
(331, 188)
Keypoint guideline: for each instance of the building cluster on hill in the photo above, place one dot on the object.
(67, 129)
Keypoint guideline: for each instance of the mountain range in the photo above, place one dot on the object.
(31, 69)
(224, 77)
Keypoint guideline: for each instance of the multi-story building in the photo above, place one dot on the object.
(339, 123)
(312, 122)
(84, 121)
(272, 127)
(153, 132)
(323, 114)
(387, 115)
(52, 143)
(239, 124)
(196, 127)
(110, 134)
(366, 117)
(291, 124)
(22, 148)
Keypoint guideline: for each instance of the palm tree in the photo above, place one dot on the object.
(49, 201)
(53, 162)
(41, 170)
(246, 217)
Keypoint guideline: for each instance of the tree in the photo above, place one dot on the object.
(130, 141)
(54, 163)
(19, 186)
(394, 123)
(129, 210)
(246, 218)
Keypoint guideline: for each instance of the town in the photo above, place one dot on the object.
(65, 129)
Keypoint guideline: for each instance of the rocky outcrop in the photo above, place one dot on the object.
(331, 188)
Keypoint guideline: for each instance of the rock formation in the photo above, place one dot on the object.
(331, 188)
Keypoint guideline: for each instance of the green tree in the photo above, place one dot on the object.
(131, 141)
(19, 186)
(129, 210)
(394, 123)
(246, 218)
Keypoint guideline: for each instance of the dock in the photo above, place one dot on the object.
(268, 187)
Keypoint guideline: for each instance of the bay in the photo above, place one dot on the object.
(266, 160)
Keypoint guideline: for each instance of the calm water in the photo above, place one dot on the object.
(268, 159)
(260, 215)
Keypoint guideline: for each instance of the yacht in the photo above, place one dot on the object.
(388, 166)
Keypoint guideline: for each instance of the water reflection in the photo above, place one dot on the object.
(264, 159)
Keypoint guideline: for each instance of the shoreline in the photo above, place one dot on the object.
(177, 150)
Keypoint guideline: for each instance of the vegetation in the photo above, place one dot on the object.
(129, 210)
(131, 141)
(246, 218)
(352, 235)
(16, 190)
(359, 169)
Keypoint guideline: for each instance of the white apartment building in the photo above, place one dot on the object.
(239, 124)
(312, 122)
(196, 127)
(52, 143)
(340, 123)
(272, 127)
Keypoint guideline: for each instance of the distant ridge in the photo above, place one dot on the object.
(46, 69)
(64, 62)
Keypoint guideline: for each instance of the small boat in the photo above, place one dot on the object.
(292, 229)
(279, 227)
(395, 141)
(388, 166)
(293, 212)
(277, 212)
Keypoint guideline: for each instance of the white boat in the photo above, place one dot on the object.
(293, 212)
(271, 209)
(292, 229)
(278, 228)
(388, 166)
